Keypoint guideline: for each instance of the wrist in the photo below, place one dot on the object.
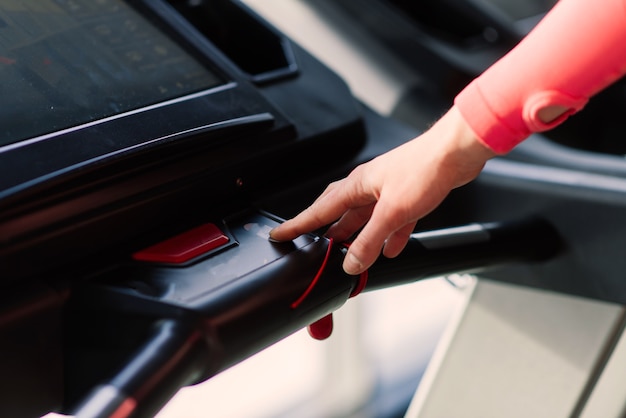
(462, 151)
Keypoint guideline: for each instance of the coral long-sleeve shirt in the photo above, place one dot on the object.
(578, 49)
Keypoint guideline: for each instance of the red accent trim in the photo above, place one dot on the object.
(361, 284)
(125, 409)
(308, 290)
(323, 327)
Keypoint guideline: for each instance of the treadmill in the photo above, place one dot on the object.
(148, 148)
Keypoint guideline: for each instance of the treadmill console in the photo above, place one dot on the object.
(126, 122)
(117, 113)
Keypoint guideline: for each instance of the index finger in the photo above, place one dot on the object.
(337, 199)
(325, 210)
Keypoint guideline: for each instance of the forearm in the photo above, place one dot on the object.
(577, 50)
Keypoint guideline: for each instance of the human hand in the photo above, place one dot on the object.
(388, 195)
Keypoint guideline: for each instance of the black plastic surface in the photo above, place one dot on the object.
(252, 45)
(226, 306)
(31, 349)
(79, 201)
(117, 179)
(587, 210)
(239, 301)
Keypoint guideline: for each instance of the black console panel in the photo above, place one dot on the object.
(127, 122)
(121, 114)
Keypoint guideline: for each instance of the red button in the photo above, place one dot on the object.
(185, 246)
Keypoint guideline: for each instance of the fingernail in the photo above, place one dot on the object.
(352, 265)
(271, 238)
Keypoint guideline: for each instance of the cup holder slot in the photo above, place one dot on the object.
(254, 47)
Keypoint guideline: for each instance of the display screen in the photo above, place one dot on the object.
(68, 62)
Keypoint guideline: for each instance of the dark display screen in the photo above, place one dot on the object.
(68, 62)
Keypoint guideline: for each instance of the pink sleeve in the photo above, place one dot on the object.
(578, 49)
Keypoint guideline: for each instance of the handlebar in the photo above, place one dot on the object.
(219, 309)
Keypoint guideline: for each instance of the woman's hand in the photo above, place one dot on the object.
(388, 195)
